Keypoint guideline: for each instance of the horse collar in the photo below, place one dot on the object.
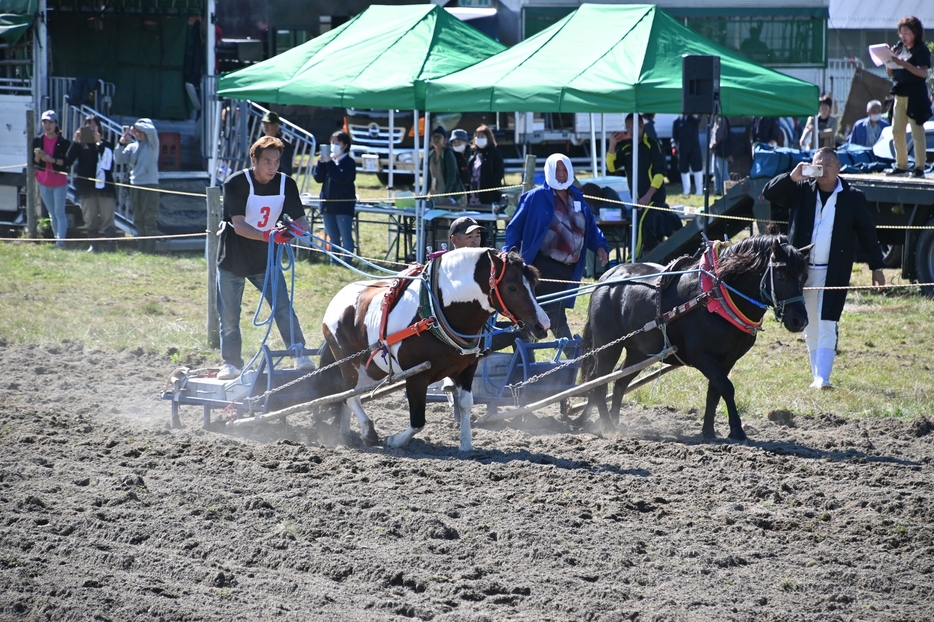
(430, 307)
(722, 303)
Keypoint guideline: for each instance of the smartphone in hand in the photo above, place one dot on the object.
(812, 170)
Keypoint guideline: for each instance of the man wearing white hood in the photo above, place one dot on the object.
(553, 228)
(139, 147)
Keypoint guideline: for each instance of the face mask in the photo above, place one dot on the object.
(481, 143)
(875, 117)
(336, 150)
(460, 148)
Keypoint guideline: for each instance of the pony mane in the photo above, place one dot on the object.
(531, 273)
(752, 255)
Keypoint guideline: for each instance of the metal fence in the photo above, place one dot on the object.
(60, 89)
(241, 126)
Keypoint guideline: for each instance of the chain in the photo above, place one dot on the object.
(518, 385)
(253, 400)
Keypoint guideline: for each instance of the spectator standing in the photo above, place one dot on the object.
(720, 139)
(139, 148)
(254, 202)
(826, 126)
(766, 131)
(486, 168)
(866, 131)
(690, 157)
(460, 143)
(653, 225)
(49, 152)
(443, 176)
(93, 158)
(553, 229)
(336, 171)
(271, 125)
(912, 103)
(830, 214)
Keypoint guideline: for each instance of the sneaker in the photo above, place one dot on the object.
(918, 172)
(895, 171)
(303, 362)
(228, 372)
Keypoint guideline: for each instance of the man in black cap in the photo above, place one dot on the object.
(465, 233)
(271, 128)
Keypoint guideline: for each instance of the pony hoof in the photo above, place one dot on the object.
(397, 440)
(467, 447)
(737, 436)
(709, 437)
(370, 437)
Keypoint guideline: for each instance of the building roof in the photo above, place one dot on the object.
(866, 14)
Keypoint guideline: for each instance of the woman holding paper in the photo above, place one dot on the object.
(912, 106)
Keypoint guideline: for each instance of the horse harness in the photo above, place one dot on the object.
(430, 313)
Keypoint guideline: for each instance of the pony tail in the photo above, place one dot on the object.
(588, 363)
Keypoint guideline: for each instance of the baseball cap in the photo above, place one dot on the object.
(464, 224)
(440, 130)
(460, 134)
(270, 117)
(49, 115)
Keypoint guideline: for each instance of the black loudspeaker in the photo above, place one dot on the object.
(700, 84)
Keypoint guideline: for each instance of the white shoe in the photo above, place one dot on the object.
(228, 372)
(303, 362)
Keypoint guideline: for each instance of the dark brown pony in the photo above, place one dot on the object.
(471, 284)
(765, 269)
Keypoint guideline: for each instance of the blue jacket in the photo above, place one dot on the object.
(526, 231)
(858, 135)
(338, 193)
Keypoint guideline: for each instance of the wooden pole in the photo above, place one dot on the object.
(582, 388)
(329, 399)
(641, 382)
(31, 211)
(210, 254)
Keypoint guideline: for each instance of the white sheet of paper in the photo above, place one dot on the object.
(880, 53)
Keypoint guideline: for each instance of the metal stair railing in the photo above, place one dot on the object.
(241, 126)
(72, 119)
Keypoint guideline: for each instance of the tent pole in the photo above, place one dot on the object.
(392, 159)
(593, 146)
(416, 169)
(635, 138)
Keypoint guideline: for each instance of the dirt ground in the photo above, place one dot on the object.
(107, 514)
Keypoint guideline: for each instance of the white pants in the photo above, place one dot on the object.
(819, 334)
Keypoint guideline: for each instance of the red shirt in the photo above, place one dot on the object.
(47, 176)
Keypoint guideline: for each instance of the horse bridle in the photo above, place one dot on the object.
(494, 288)
(778, 306)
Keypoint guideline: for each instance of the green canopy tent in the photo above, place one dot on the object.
(16, 17)
(612, 58)
(380, 59)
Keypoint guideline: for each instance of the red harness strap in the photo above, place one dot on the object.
(722, 303)
(390, 299)
(494, 288)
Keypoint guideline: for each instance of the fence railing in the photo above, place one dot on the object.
(60, 89)
(241, 126)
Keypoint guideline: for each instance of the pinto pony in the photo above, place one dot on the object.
(433, 316)
(765, 270)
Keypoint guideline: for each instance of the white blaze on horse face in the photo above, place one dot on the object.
(542, 316)
(456, 278)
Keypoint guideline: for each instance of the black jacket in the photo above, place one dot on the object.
(491, 173)
(288, 156)
(338, 193)
(86, 157)
(851, 217)
(60, 152)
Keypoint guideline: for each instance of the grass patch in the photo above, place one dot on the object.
(127, 301)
